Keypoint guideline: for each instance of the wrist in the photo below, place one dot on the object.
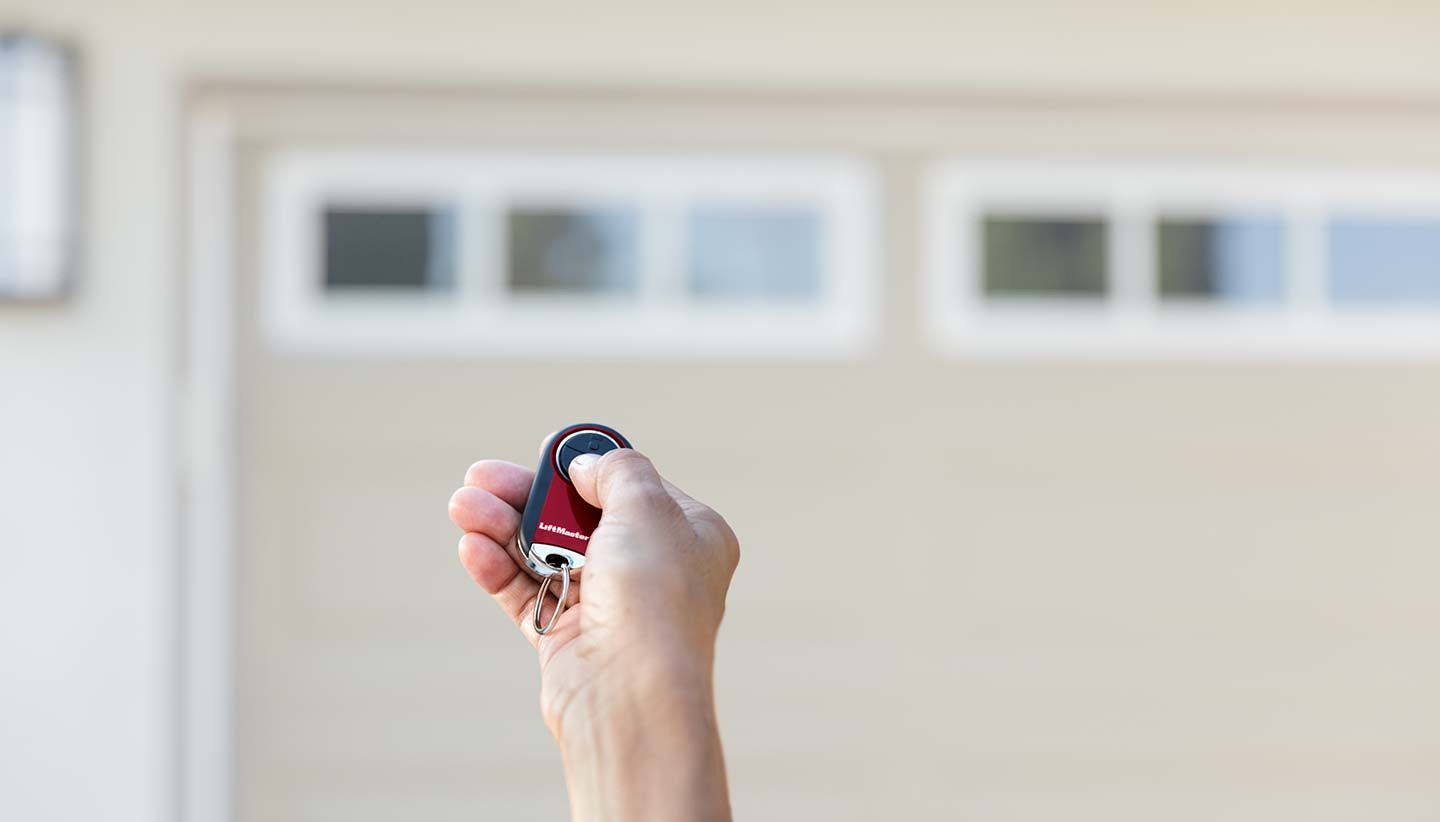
(647, 748)
(649, 691)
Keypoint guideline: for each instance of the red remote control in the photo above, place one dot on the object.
(556, 526)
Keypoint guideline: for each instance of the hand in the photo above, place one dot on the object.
(629, 663)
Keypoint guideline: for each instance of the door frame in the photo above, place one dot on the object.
(206, 737)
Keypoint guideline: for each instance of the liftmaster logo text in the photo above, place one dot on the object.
(545, 526)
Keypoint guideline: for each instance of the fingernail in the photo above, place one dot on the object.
(583, 461)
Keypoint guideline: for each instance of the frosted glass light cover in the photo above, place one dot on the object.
(37, 169)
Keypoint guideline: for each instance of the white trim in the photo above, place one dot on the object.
(1131, 321)
(207, 760)
(484, 319)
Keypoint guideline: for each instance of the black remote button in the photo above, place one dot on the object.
(581, 442)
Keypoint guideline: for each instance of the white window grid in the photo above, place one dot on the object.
(1131, 319)
(482, 316)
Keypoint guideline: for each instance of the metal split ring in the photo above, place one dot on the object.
(564, 572)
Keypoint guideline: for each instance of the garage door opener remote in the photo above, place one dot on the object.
(556, 526)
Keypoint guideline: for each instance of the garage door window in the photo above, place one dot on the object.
(487, 254)
(1077, 259)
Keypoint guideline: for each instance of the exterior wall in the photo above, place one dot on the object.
(88, 435)
(87, 481)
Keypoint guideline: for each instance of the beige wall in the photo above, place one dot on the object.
(89, 435)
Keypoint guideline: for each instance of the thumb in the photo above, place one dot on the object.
(620, 483)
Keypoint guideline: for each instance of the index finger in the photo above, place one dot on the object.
(506, 480)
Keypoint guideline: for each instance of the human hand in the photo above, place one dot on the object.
(629, 663)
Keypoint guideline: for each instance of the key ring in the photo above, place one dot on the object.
(564, 569)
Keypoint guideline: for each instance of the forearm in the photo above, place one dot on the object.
(626, 676)
(629, 757)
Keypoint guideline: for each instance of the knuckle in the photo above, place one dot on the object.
(652, 495)
(626, 461)
(718, 535)
(727, 534)
(630, 473)
(732, 548)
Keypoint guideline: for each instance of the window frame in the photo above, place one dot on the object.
(482, 317)
(1132, 319)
